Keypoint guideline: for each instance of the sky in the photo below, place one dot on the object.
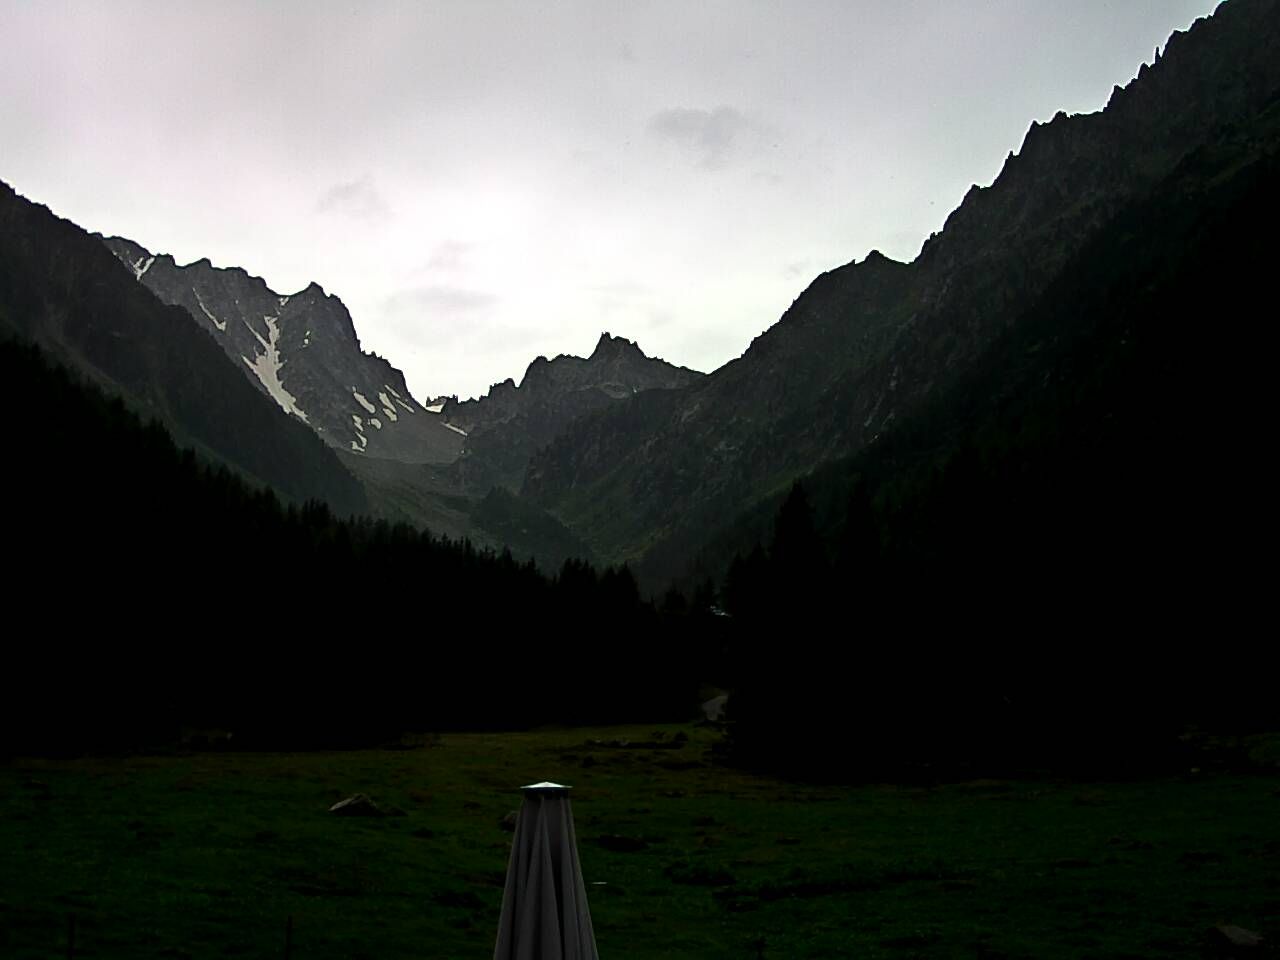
(483, 182)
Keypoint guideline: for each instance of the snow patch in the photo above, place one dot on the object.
(399, 399)
(282, 301)
(220, 324)
(369, 407)
(386, 407)
(456, 429)
(377, 424)
(141, 266)
(361, 441)
(267, 366)
(435, 407)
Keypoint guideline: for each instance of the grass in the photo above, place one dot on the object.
(206, 855)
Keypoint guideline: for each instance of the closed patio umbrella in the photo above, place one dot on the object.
(544, 905)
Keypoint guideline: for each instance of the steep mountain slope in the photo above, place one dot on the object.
(1105, 447)
(60, 288)
(302, 351)
(434, 464)
(870, 342)
(184, 596)
(510, 423)
(1069, 536)
(475, 496)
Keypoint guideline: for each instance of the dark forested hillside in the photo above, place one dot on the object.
(150, 591)
(62, 288)
(1068, 551)
(871, 343)
(1032, 519)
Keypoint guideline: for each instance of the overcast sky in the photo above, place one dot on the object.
(483, 182)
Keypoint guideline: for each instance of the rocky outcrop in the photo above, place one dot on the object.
(60, 288)
(510, 423)
(302, 351)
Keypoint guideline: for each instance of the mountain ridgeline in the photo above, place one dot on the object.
(302, 351)
(1085, 507)
(944, 515)
(870, 343)
(431, 464)
(62, 289)
(510, 423)
(183, 596)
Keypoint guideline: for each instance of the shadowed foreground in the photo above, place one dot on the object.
(207, 855)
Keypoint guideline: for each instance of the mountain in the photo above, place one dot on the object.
(510, 423)
(184, 596)
(868, 344)
(1050, 562)
(302, 351)
(477, 495)
(435, 464)
(1105, 445)
(63, 290)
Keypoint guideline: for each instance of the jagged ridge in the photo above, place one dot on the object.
(301, 350)
(60, 288)
(869, 342)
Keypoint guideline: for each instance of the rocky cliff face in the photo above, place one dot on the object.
(510, 423)
(302, 351)
(429, 464)
(870, 342)
(60, 288)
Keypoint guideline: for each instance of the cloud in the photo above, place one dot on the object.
(450, 255)
(660, 317)
(358, 199)
(622, 289)
(439, 300)
(439, 316)
(714, 139)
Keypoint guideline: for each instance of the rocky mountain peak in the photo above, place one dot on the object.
(301, 350)
(869, 343)
(509, 423)
(611, 347)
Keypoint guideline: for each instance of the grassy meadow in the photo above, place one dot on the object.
(207, 855)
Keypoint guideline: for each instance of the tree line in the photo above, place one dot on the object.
(1061, 561)
(152, 591)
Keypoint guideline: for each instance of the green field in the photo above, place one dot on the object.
(207, 855)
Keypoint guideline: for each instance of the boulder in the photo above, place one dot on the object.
(1228, 938)
(357, 805)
